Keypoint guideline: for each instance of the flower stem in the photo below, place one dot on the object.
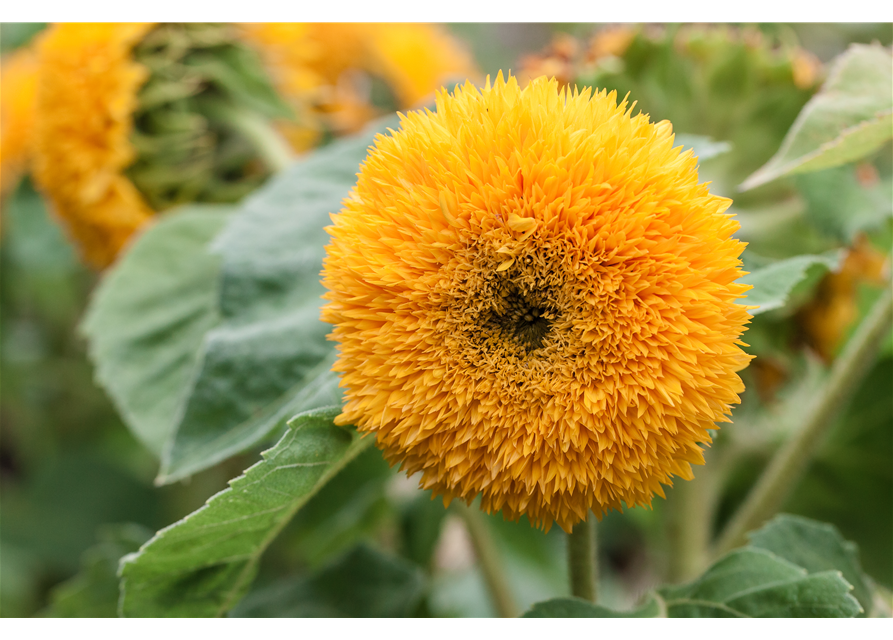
(691, 507)
(269, 145)
(582, 560)
(488, 558)
(791, 461)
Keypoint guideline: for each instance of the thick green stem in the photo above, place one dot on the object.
(791, 461)
(488, 558)
(269, 145)
(582, 560)
(690, 509)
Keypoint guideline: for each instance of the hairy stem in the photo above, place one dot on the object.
(790, 462)
(485, 549)
(582, 560)
(691, 509)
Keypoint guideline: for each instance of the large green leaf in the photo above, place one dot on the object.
(204, 564)
(849, 118)
(816, 547)
(579, 608)
(148, 317)
(839, 205)
(773, 283)
(93, 592)
(264, 360)
(753, 583)
(350, 508)
(364, 583)
(746, 583)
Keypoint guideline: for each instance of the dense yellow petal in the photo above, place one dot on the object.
(86, 97)
(535, 301)
(18, 85)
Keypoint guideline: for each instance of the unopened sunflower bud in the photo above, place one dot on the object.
(132, 119)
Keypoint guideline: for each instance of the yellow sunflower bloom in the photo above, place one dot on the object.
(135, 118)
(324, 70)
(18, 85)
(534, 301)
(416, 60)
(86, 99)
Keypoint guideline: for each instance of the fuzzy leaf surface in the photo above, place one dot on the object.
(851, 116)
(268, 358)
(816, 547)
(753, 583)
(746, 583)
(773, 283)
(203, 565)
(148, 317)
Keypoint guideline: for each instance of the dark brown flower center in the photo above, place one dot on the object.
(521, 319)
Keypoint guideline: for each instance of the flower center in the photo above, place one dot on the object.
(521, 319)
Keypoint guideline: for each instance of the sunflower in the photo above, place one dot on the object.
(534, 301)
(327, 71)
(133, 119)
(86, 98)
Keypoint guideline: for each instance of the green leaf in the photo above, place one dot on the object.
(579, 608)
(773, 284)
(147, 319)
(364, 583)
(264, 360)
(753, 583)
(203, 564)
(849, 118)
(350, 508)
(837, 204)
(746, 583)
(816, 547)
(704, 147)
(93, 593)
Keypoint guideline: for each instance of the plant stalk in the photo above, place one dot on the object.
(485, 549)
(791, 461)
(691, 507)
(582, 560)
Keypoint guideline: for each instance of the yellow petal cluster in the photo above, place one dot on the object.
(86, 97)
(323, 69)
(535, 301)
(18, 84)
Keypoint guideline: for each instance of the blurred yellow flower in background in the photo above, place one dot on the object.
(83, 122)
(132, 119)
(18, 85)
(535, 301)
(826, 318)
(325, 71)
